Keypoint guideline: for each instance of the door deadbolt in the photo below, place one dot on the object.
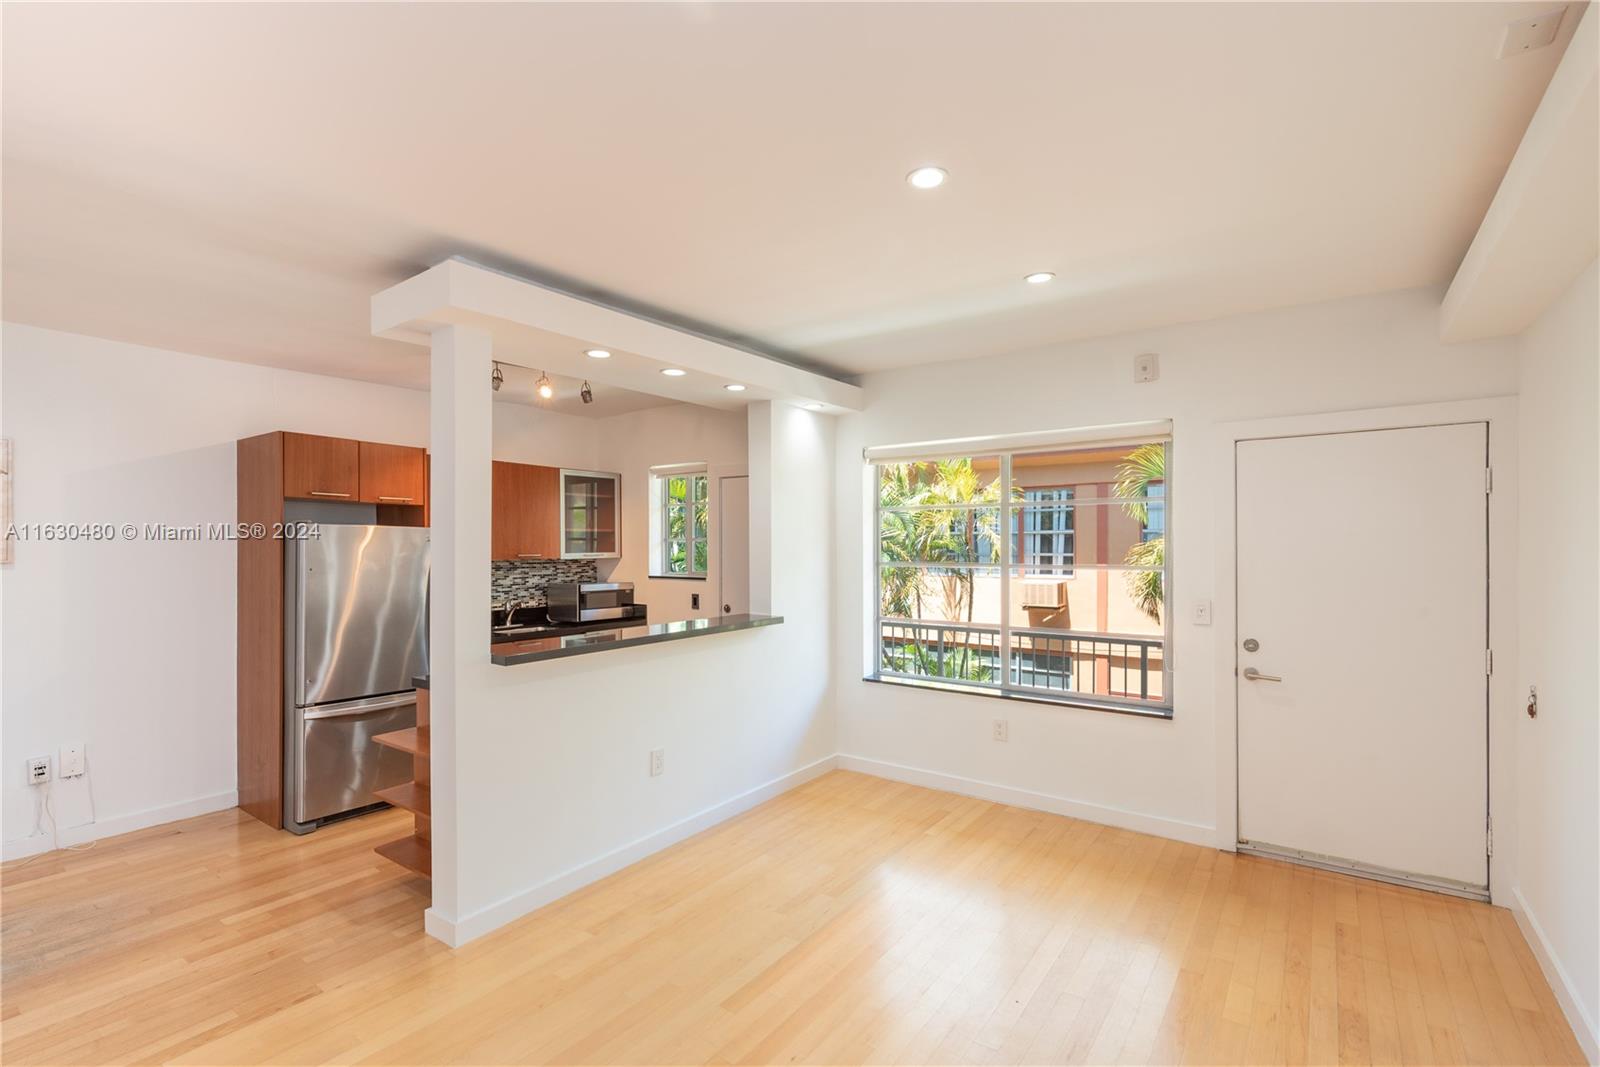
(1252, 645)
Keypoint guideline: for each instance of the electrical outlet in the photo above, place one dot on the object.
(71, 761)
(39, 770)
(658, 761)
(1002, 730)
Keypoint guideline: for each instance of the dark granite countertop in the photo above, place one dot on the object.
(510, 653)
(536, 617)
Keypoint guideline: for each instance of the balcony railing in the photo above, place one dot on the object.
(1118, 666)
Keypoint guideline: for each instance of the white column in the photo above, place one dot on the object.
(461, 437)
(759, 456)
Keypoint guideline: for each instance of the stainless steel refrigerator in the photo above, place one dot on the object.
(356, 634)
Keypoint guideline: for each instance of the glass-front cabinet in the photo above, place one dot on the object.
(590, 505)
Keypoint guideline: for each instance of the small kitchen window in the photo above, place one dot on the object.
(680, 522)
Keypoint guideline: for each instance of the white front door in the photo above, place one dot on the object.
(733, 535)
(1363, 607)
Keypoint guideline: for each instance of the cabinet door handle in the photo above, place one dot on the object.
(319, 492)
(394, 500)
(530, 555)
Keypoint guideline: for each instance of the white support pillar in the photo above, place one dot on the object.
(759, 456)
(461, 438)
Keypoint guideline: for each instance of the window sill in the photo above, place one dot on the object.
(679, 577)
(1162, 713)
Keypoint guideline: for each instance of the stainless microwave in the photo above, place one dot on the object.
(590, 601)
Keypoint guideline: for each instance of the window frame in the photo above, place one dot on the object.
(1013, 564)
(663, 541)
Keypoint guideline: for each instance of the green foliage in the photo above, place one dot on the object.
(956, 520)
(958, 662)
(1145, 466)
(1145, 587)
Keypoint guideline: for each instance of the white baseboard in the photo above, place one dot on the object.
(458, 932)
(1583, 1027)
(1160, 826)
(118, 824)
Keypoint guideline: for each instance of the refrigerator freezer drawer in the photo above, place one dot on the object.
(339, 766)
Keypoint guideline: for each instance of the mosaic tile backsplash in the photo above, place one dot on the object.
(523, 581)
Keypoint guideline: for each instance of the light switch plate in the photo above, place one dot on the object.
(1146, 368)
(1202, 613)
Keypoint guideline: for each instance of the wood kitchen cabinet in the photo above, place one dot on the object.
(393, 474)
(321, 468)
(272, 469)
(525, 519)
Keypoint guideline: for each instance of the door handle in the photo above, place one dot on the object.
(1253, 675)
(364, 706)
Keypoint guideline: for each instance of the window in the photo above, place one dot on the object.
(1047, 530)
(681, 499)
(1070, 606)
(1155, 520)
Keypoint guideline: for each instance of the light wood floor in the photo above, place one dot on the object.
(851, 920)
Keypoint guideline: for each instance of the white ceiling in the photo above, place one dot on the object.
(238, 180)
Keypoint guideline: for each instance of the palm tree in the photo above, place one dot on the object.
(897, 540)
(959, 523)
(1144, 466)
(934, 513)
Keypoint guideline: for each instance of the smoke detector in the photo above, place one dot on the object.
(1532, 33)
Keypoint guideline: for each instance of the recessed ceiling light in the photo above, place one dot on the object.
(673, 372)
(927, 177)
(598, 353)
(1038, 277)
(734, 388)
(813, 407)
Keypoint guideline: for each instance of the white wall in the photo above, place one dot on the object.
(1148, 774)
(1558, 841)
(631, 445)
(129, 646)
(551, 786)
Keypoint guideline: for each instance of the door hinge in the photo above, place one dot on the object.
(1488, 661)
(1488, 479)
(1488, 834)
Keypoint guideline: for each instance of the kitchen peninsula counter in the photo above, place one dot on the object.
(512, 653)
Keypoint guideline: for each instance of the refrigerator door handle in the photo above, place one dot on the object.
(364, 706)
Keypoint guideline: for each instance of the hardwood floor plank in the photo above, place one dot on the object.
(851, 920)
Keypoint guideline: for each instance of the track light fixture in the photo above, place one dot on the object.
(545, 387)
(586, 394)
(497, 377)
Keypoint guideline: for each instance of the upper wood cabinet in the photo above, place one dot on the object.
(393, 474)
(525, 519)
(321, 468)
